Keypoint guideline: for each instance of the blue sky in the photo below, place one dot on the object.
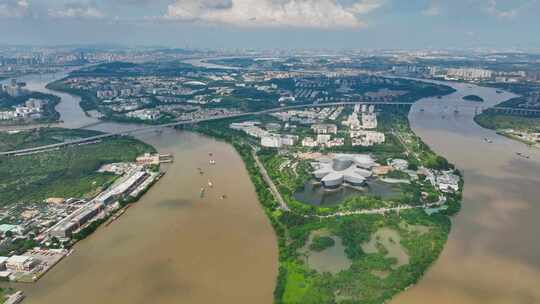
(274, 23)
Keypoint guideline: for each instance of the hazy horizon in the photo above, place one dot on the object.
(273, 24)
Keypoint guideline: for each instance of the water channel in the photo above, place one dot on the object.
(174, 247)
(493, 254)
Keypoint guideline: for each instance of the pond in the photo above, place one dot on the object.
(332, 259)
(390, 240)
(313, 193)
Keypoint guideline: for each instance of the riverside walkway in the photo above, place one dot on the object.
(440, 202)
(269, 182)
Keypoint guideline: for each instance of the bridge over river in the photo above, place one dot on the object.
(189, 122)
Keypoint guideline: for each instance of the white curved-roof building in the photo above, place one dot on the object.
(349, 168)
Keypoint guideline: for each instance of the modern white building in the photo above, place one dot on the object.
(399, 164)
(367, 138)
(309, 142)
(277, 140)
(446, 181)
(271, 141)
(324, 128)
(323, 138)
(469, 74)
(353, 169)
(251, 128)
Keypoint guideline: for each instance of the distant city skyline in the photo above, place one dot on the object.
(280, 24)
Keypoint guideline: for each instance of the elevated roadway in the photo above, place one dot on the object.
(189, 122)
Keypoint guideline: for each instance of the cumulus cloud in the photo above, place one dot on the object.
(366, 6)
(76, 10)
(14, 8)
(434, 9)
(297, 13)
(494, 9)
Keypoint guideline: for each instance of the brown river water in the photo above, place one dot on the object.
(175, 247)
(172, 246)
(493, 252)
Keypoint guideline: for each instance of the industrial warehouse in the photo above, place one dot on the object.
(60, 222)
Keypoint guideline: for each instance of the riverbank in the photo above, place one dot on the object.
(523, 129)
(183, 231)
(193, 272)
(53, 199)
(499, 210)
(492, 229)
(301, 279)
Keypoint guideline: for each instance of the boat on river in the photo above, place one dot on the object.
(522, 155)
(201, 194)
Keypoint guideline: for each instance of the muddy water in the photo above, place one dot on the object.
(493, 253)
(173, 246)
(71, 114)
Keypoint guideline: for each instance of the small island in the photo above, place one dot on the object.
(474, 98)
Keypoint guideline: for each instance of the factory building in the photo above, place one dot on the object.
(21, 263)
(124, 185)
(75, 220)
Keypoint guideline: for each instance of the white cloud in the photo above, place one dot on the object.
(366, 6)
(264, 13)
(434, 9)
(14, 8)
(76, 10)
(494, 9)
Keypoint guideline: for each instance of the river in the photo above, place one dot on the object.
(493, 254)
(173, 247)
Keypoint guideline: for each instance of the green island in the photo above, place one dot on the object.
(501, 121)
(524, 129)
(474, 98)
(320, 243)
(364, 249)
(69, 172)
